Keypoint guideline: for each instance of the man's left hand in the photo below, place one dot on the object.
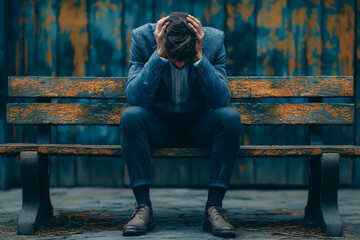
(195, 26)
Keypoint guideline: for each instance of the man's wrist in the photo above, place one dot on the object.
(161, 53)
(198, 57)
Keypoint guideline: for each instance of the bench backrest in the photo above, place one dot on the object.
(245, 94)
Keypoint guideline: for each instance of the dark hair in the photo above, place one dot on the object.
(179, 39)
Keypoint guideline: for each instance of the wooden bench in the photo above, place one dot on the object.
(322, 205)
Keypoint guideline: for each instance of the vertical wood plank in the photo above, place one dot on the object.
(73, 61)
(339, 36)
(135, 16)
(240, 37)
(47, 36)
(314, 57)
(296, 168)
(210, 13)
(15, 11)
(164, 7)
(272, 59)
(356, 170)
(4, 162)
(241, 60)
(105, 59)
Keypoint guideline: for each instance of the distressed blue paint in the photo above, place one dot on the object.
(210, 13)
(240, 38)
(164, 7)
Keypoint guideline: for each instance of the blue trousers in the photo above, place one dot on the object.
(142, 130)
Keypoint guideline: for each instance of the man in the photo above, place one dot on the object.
(178, 91)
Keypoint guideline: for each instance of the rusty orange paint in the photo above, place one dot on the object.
(313, 43)
(113, 7)
(269, 16)
(241, 169)
(246, 9)
(346, 34)
(73, 20)
(291, 86)
(299, 18)
(329, 4)
(269, 69)
(246, 140)
(231, 17)
(214, 8)
(62, 86)
(17, 58)
(116, 31)
(49, 56)
(26, 55)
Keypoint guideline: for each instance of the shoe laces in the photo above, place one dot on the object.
(138, 210)
(220, 212)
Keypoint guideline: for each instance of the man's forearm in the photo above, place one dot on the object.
(144, 80)
(213, 82)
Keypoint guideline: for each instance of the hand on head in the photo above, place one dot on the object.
(195, 26)
(159, 36)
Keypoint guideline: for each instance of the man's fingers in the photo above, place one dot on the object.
(163, 29)
(160, 23)
(195, 31)
(195, 19)
(195, 24)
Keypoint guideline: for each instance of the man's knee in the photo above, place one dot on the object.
(132, 117)
(229, 118)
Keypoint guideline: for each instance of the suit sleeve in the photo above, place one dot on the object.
(144, 74)
(213, 78)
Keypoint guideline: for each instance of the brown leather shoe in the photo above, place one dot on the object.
(140, 222)
(217, 223)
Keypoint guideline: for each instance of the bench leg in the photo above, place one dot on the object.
(36, 205)
(322, 205)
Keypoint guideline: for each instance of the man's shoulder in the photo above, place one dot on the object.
(144, 30)
(212, 33)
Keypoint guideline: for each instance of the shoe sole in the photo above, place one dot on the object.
(223, 233)
(134, 232)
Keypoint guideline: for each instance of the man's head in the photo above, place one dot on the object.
(179, 39)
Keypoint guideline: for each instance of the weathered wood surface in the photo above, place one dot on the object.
(241, 87)
(110, 114)
(245, 151)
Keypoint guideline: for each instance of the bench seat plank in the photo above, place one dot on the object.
(245, 151)
(241, 87)
(100, 114)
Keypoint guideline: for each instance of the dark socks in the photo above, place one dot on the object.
(142, 194)
(215, 197)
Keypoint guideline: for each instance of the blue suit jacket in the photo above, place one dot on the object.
(149, 81)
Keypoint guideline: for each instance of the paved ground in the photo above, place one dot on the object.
(101, 213)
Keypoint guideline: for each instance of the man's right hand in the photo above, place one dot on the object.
(159, 36)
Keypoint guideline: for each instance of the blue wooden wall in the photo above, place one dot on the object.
(263, 37)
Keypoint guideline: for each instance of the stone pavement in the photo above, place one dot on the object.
(100, 213)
